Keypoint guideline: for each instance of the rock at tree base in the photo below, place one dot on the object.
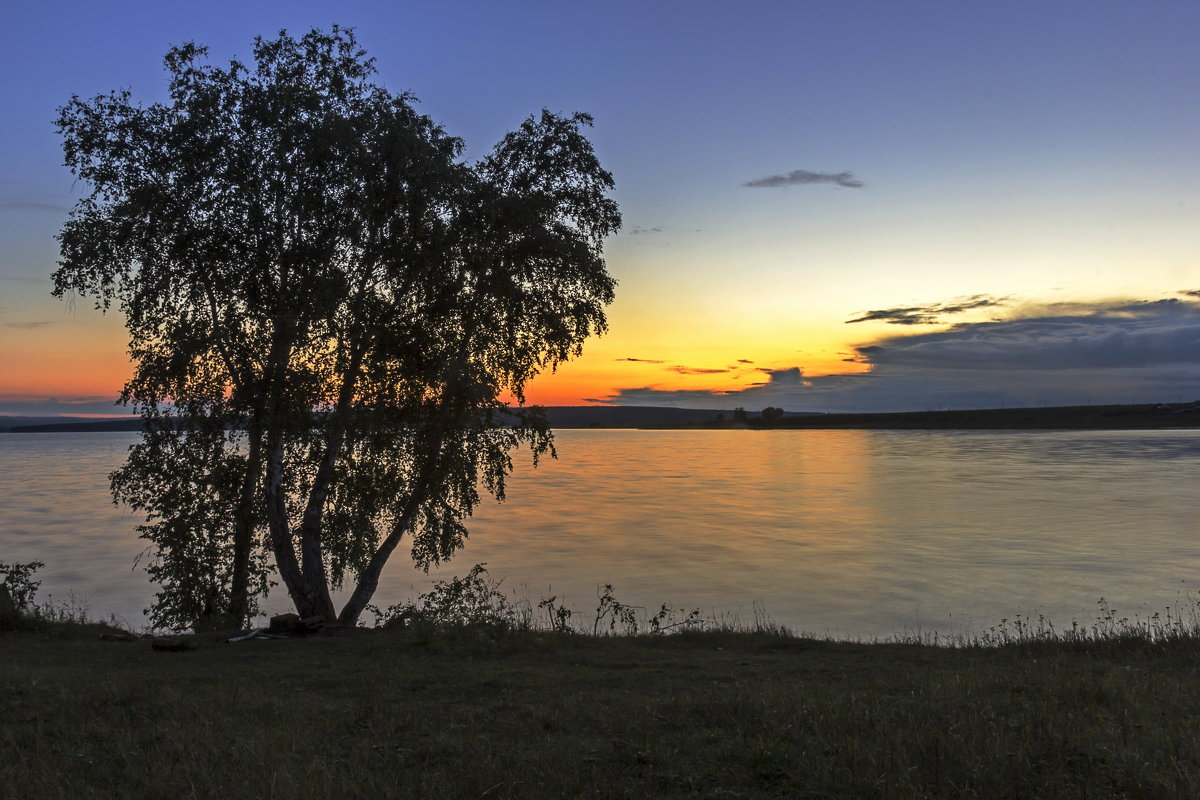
(285, 625)
(172, 645)
(292, 625)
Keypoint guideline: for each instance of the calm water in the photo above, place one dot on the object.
(848, 532)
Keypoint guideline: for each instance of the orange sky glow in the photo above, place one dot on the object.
(969, 205)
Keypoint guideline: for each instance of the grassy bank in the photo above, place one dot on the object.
(479, 712)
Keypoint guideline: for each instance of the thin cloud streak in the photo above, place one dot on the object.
(802, 177)
(696, 370)
(41, 406)
(928, 314)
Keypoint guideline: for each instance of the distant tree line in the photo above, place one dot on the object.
(768, 417)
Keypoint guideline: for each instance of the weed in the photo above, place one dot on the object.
(18, 582)
(472, 600)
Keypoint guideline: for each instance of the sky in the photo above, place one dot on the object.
(829, 206)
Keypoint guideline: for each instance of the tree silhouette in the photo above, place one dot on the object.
(327, 309)
(771, 414)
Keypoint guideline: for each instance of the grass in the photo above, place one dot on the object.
(441, 708)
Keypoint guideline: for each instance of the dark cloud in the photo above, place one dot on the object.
(696, 370)
(928, 314)
(792, 376)
(638, 230)
(674, 398)
(802, 177)
(913, 315)
(39, 324)
(1191, 292)
(33, 205)
(744, 361)
(1055, 354)
(642, 360)
(1137, 334)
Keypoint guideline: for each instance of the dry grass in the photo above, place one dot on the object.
(498, 712)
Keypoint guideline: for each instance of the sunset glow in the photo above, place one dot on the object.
(899, 209)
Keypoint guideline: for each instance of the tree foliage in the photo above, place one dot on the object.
(327, 310)
(772, 414)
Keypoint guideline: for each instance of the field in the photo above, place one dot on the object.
(486, 711)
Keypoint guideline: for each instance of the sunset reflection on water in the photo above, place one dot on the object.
(848, 532)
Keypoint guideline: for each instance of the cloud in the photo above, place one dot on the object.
(1190, 292)
(23, 279)
(40, 324)
(1126, 334)
(928, 314)
(1054, 354)
(638, 230)
(41, 406)
(642, 360)
(744, 361)
(33, 205)
(696, 370)
(801, 177)
(672, 398)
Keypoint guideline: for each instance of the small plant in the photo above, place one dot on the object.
(474, 599)
(622, 619)
(668, 619)
(19, 584)
(627, 620)
(558, 616)
(477, 600)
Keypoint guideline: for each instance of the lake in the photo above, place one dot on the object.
(851, 533)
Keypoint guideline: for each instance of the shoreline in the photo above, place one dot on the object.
(1134, 416)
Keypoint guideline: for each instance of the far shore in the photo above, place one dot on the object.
(1132, 416)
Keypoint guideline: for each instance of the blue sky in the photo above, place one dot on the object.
(1044, 155)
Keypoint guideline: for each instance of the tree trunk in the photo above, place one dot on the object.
(368, 581)
(311, 551)
(277, 523)
(243, 534)
(305, 581)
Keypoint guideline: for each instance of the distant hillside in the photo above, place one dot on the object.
(1147, 415)
(629, 416)
(67, 424)
(559, 416)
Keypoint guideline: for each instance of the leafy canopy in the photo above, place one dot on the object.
(327, 311)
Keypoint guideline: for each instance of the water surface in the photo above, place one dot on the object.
(848, 532)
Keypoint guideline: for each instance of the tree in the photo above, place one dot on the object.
(771, 415)
(327, 310)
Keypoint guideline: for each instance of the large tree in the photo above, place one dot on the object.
(328, 310)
